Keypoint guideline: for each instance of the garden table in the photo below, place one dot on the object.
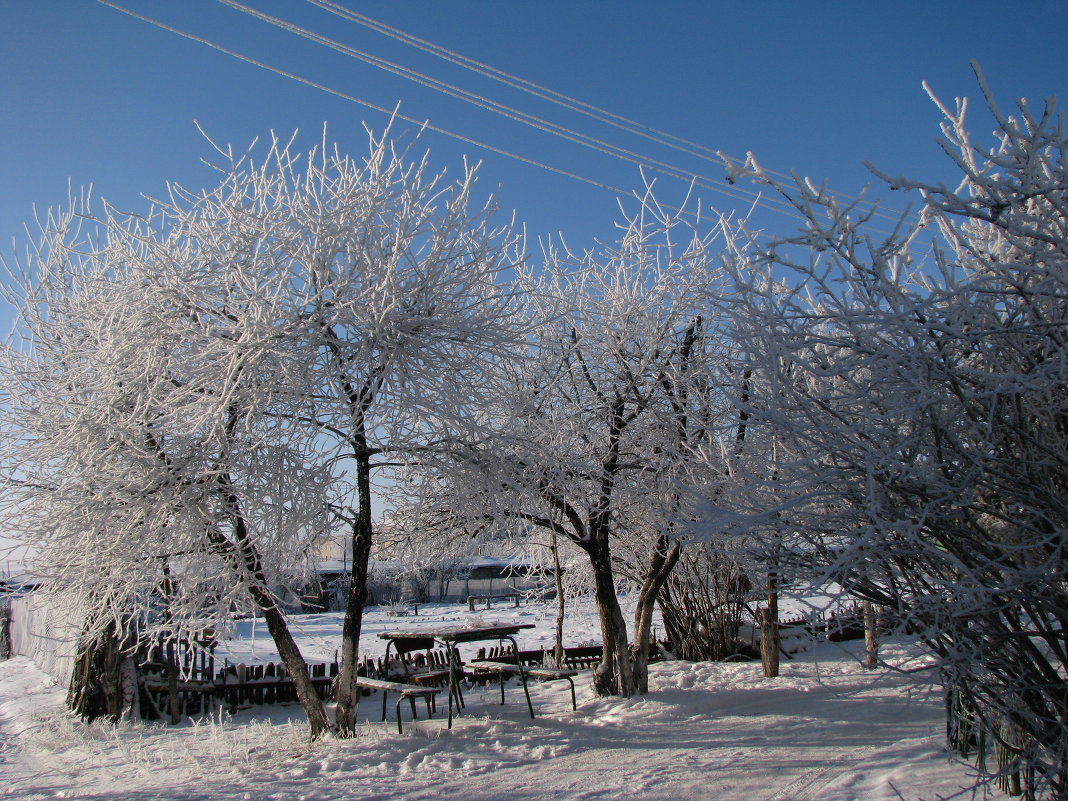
(449, 638)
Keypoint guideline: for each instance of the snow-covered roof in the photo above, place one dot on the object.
(19, 581)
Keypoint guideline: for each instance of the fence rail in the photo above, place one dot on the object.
(197, 687)
(180, 675)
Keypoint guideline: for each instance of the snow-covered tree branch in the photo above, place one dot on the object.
(603, 422)
(922, 410)
(201, 397)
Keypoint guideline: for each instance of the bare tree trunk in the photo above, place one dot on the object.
(663, 562)
(174, 706)
(347, 693)
(242, 548)
(615, 674)
(558, 580)
(768, 620)
(293, 660)
(103, 671)
(362, 534)
(5, 631)
(871, 636)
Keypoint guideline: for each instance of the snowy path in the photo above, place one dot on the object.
(826, 729)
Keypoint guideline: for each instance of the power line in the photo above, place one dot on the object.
(750, 196)
(517, 115)
(565, 101)
(351, 98)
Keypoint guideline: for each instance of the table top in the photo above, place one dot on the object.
(457, 633)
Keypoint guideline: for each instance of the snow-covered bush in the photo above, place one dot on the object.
(703, 604)
(922, 411)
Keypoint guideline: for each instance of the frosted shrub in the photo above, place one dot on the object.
(923, 414)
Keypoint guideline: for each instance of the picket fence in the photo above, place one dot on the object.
(182, 675)
(185, 675)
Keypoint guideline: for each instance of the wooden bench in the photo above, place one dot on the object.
(404, 691)
(504, 669)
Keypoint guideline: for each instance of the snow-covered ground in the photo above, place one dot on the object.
(320, 635)
(826, 729)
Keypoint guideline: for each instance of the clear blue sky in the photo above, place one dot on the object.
(91, 95)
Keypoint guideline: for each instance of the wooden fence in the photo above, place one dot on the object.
(181, 674)
(182, 677)
(580, 658)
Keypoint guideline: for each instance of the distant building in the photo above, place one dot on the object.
(392, 581)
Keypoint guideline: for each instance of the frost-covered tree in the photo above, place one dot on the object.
(923, 414)
(407, 317)
(745, 558)
(262, 346)
(149, 485)
(589, 448)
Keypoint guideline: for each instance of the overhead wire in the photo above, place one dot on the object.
(517, 115)
(590, 110)
(511, 80)
(367, 104)
(756, 199)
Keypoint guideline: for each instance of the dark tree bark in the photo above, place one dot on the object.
(558, 581)
(615, 674)
(358, 400)
(768, 620)
(665, 557)
(294, 662)
(362, 535)
(5, 632)
(242, 548)
(104, 682)
(871, 635)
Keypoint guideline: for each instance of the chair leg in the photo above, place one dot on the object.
(526, 692)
